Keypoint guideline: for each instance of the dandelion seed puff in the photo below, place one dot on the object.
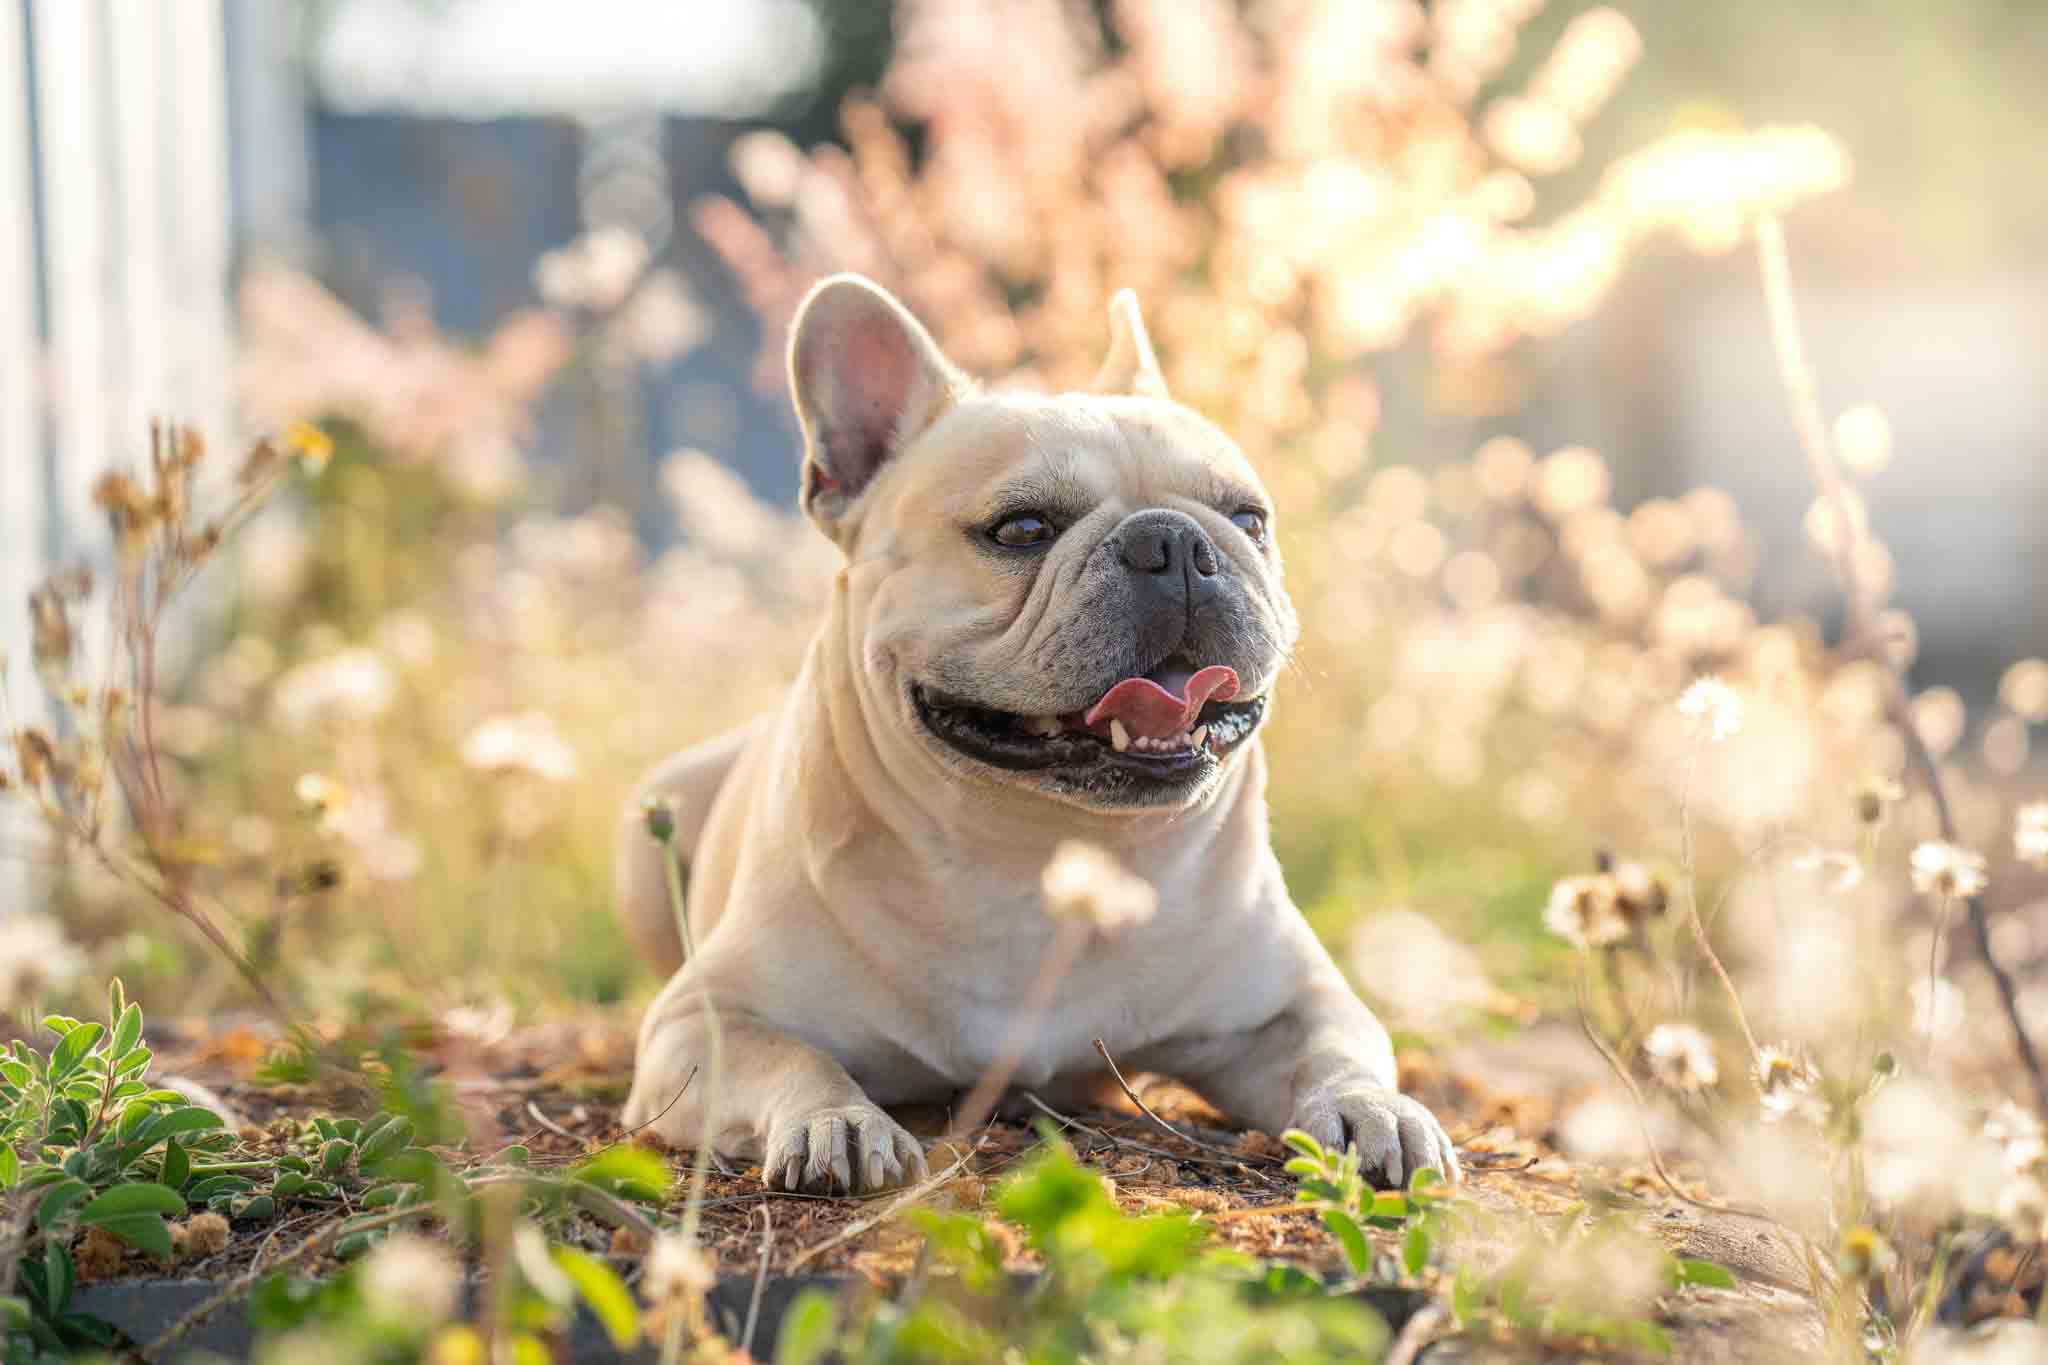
(525, 743)
(1712, 708)
(1083, 882)
(2030, 833)
(1586, 912)
(409, 1279)
(676, 1269)
(1681, 1057)
(2018, 1135)
(1947, 870)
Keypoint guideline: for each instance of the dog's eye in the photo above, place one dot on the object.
(1025, 529)
(1252, 522)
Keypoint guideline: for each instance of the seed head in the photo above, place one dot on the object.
(1875, 797)
(676, 1269)
(1865, 1253)
(1587, 912)
(411, 1280)
(659, 815)
(1681, 1057)
(1085, 883)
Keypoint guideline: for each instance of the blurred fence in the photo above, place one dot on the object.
(116, 227)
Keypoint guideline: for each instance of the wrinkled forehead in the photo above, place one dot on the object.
(998, 450)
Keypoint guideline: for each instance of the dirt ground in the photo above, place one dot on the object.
(557, 1089)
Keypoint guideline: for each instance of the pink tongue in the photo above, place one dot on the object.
(1148, 709)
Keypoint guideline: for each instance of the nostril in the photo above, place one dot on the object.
(1203, 556)
(1148, 551)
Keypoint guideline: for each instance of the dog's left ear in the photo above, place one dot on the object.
(1131, 367)
(867, 380)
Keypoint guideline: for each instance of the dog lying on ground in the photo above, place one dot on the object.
(1059, 617)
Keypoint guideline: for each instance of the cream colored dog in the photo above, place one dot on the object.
(1059, 618)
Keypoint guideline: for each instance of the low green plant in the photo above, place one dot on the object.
(1113, 1286)
(88, 1142)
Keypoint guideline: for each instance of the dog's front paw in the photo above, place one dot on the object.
(841, 1150)
(1396, 1137)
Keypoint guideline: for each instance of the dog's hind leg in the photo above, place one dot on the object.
(687, 783)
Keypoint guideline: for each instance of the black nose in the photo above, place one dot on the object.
(1170, 549)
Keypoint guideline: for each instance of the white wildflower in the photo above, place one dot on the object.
(1586, 912)
(1785, 1080)
(411, 1280)
(676, 1268)
(35, 959)
(526, 743)
(1712, 707)
(1947, 870)
(1085, 883)
(2018, 1135)
(2030, 833)
(351, 684)
(1681, 1057)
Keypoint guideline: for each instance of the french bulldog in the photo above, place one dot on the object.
(1059, 617)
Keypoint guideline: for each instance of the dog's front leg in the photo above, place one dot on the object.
(1323, 1065)
(770, 1095)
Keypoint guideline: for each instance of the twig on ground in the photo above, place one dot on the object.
(903, 1201)
(1111, 1138)
(1860, 626)
(533, 1111)
(1641, 1107)
(1146, 1110)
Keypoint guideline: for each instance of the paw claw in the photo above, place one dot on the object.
(1394, 1135)
(824, 1149)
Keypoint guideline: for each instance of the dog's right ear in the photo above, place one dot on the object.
(867, 380)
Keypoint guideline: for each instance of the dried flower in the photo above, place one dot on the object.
(1587, 912)
(1839, 870)
(2018, 1135)
(1947, 870)
(410, 1280)
(1681, 1057)
(2030, 833)
(525, 743)
(1784, 1081)
(1083, 882)
(676, 1269)
(319, 794)
(351, 684)
(1712, 707)
(201, 1235)
(1875, 797)
(52, 638)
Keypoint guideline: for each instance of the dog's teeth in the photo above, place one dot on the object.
(1119, 738)
(1198, 738)
(1042, 725)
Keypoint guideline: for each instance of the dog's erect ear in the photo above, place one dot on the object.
(1131, 367)
(867, 379)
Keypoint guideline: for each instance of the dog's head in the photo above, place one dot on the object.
(1077, 595)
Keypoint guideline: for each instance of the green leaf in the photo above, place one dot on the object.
(17, 1073)
(209, 1186)
(1303, 1143)
(58, 1278)
(58, 1201)
(59, 1024)
(1387, 1204)
(135, 1059)
(145, 1230)
(144, 1196)
(1415, 1248)
(808, 1329)
(1425, 1183)
(1357, 1250)
(385, 1139)
(630, 1172)
(177, 1167)
(127, 1031)
(1705, 1273)
(287, 1184)
(605, 1293)
(10, 1167)
(335, 1156)
(69, 1053)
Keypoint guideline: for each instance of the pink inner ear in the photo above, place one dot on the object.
(865, 371)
